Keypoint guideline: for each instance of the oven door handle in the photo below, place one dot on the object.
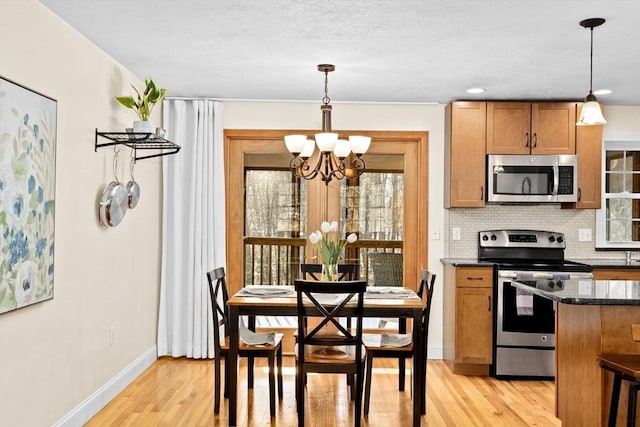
(524, 275)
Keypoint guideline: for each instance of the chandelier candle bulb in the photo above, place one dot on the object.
(309, 148)
(342, 149)
(326, 141)
(295, 143)
(359, 144)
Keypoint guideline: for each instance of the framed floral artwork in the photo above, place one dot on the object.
(27, 195)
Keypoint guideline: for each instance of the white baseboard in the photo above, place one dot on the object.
(99, 399)
(435, 352)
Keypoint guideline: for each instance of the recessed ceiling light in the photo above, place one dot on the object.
(602, 92)
(475, 90)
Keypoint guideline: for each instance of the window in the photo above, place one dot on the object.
(374, 207)
(275, 203)
(618, 221)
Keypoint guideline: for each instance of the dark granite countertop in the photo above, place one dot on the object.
(593, 262)
(466, 262)
(610, 263)
(586, 292)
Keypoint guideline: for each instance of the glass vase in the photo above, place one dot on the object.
(329, 272)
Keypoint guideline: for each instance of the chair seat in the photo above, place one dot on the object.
(224, 344)
(330, 354)
(372, 342)
(626, 364)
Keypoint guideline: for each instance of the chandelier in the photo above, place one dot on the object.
(591, 113)
(338, 158)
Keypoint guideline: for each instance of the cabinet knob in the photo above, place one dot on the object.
(535, 140)
(527, 140)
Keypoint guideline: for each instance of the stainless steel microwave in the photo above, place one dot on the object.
(513, 178)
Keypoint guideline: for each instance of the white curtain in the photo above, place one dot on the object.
(193, 226)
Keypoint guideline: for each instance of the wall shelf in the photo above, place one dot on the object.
(138, 141)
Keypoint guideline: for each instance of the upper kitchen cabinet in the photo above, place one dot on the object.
(464, 175)
(589, 151)
(531, 128)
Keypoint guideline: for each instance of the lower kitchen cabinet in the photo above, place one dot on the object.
(468, 323)
(616, 274)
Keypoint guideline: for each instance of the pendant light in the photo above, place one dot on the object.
(335, 159)
(591, 113)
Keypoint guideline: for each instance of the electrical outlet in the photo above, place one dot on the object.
(435, 234)
(584, 234)
(455, 233)
(112, 335)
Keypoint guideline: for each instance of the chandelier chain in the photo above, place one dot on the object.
(325, 99)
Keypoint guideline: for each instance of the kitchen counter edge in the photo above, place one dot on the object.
(575, 299)
(466, 262)
(593, 262)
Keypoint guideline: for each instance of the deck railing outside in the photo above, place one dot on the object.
(276, 260)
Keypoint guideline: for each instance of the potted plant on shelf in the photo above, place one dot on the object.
(143, 104)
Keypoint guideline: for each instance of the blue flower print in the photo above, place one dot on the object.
(35, 131)
(18, 249)
(31, 184)
(40, 245)
(18, 206)
(41, 143)
(26, 119)
(40, 194)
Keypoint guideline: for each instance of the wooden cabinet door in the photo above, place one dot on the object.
(508, 127)
(553, 128)
(473, 325)
(465, 154)
(616, 273)
(589, 150)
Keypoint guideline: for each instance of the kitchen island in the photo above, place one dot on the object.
(592, 317)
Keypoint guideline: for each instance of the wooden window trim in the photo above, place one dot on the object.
(412, 145)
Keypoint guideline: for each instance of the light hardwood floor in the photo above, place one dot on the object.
(179, 392)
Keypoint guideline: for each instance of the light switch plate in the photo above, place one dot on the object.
(584, 234)
(455, 233)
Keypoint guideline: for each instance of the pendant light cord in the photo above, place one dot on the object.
(591, 65)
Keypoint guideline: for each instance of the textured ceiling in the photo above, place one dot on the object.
(384, 50)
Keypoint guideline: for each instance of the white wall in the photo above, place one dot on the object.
(398, 117)
(55, 354)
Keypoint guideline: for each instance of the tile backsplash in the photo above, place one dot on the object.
(527, 217)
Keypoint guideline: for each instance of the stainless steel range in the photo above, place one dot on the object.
(524, 324)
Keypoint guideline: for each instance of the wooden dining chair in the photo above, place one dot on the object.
(375, 349)
(338, 350)
(387, 271)
(273, 352)
(314, 271)
(624, 367)
(345, 272)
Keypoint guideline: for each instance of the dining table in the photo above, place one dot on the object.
(275, 300)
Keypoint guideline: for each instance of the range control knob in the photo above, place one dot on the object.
(485, 237)
(560, 239)
(493, 237)
(552, 238)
